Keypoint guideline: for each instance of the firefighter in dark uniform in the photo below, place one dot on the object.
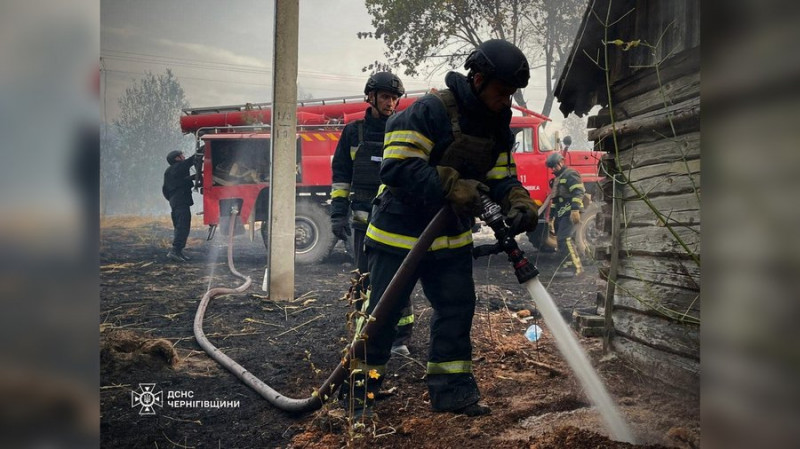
(177, 189)
(356, 165)
(443, 150)
(565, 210)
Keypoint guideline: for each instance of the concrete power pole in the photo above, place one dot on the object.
(284, 162)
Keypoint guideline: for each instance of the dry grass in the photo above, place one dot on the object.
(135, 221)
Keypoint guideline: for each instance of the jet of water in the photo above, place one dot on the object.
(579, 362)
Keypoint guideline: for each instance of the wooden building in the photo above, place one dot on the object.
(639, 60)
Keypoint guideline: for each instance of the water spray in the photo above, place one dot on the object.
(527, 275)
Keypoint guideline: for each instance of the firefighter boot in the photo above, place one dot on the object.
(175, 256)
(476, 409)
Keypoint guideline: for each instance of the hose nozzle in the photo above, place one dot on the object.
(492, 215)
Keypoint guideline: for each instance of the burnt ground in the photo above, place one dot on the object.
(146, 317)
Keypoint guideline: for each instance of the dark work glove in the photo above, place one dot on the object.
(463, 194)
(522, 215)
(521, 220)
(340, 227)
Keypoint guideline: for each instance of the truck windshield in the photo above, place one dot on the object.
(523, 140)
(547, 139)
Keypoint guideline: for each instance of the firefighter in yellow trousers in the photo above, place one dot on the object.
(565, 210)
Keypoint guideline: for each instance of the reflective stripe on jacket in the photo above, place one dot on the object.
(415, 141)
(569, 192)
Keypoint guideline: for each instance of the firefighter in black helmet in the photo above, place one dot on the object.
(443, 150)
(355, 168)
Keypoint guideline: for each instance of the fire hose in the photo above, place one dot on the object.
(491, 215)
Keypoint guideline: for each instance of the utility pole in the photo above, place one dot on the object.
(280, 260)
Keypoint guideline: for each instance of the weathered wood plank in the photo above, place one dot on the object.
(657, 240)
(661, 270)
(686, 111)
(675, 168)
(679, 209)
(671, 337)
(682, 147)
(679, 372)
(651, 298)
(645, 80)
(665, 185)
(672, 92)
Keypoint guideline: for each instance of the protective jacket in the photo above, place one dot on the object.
(356, 166)
(177, 188)
(416, 142)
(569, 192)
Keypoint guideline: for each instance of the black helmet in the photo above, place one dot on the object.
(553, 160)
(497, 58)
(172, 155)
(385, 81)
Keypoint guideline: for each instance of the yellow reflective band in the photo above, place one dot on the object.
(405, 321)
(338, 193)
(403, 152)
(360, 216)
(353, 152)
(501, 172)
(407, 136)
(577, 186)
(406, 242)
(454, 367)
(577, 201)
(381, 188)
(502, 159)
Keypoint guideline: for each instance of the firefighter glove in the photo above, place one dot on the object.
(463, 194)
(522, 213)
(575, 216)
(340, 227)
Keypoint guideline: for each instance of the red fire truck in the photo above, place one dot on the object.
(236, 166)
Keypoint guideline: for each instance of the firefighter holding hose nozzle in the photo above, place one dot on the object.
(445, 149)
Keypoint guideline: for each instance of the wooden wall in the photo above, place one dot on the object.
(650, 288)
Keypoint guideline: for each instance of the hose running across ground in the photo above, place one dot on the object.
(334, 381)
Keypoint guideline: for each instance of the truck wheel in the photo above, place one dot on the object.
(587, 235)
(313, 239)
